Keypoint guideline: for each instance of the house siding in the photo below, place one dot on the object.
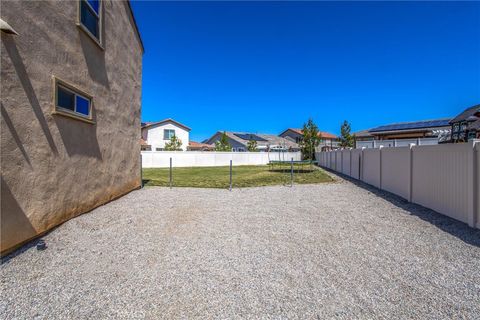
(154, 135)
(54, 167)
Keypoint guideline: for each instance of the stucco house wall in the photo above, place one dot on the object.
(154, 135)
(55, 167)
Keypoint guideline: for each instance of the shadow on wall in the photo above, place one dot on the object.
(13, 132)
(22, 74)
(94, 55)
(15, 226)
(454, 227)
(79, 138)
(94, 59)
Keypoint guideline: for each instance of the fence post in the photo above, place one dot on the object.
(362, 163)
(472, 184)
(341, 161)
(141, 172)
(291, 173)
(350, 163)
(410, 179)
(170, 172)
(230, 188)
(380, 166)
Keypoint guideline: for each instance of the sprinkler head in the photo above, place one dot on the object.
(41, 245)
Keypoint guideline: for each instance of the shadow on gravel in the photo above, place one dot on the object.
(19, 251)
(454, 227)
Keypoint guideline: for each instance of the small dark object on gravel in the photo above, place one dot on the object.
(41, 245)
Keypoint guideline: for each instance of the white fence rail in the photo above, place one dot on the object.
(161, 159)
(372, 144)
(444, 177)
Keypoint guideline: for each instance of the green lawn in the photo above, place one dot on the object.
(243, 176)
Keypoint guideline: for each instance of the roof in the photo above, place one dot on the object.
(136, 26)
(151, 124)
(467, 113)
(413, 125)
(362, 133)
(195, 144)
(262, 139)
(323, 134)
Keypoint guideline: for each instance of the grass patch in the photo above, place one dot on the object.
(243, 176)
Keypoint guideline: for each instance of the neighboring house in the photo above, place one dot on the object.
(466, 125)
(328, 141)
(71, 78)
(265, 142)
(198, 146)
(157, 134)
(405, 133)
(363, 135)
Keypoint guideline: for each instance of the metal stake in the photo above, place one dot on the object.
(170, 173)
(230, 189)
(291, 173)
(141, 172)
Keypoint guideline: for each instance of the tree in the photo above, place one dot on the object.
(175, 144)
(346, 139)
(311, 139)
(252, 146)
(223, 144)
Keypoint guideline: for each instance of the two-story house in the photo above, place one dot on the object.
(156, 134)
(71, 81)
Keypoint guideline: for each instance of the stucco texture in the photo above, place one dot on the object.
(55, 167)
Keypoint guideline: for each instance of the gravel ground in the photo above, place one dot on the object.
(323, 251)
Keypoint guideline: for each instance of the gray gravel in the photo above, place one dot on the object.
(332, 250)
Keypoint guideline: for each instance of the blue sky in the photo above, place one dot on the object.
(266, 66)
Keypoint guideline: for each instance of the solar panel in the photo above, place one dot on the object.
(249, 136)
(412, 125)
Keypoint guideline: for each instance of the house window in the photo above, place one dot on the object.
(168, 134)
(71, 101)
(90, 18)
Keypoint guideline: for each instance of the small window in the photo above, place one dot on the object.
(71, 101)
(168, 134)
(159, 149)
(90, 17)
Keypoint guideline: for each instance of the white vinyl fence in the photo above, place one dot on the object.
(444, 177)
(161, 159)
(396, 143)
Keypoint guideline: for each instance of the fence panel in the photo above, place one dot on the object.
(355, 156)
(371, 167)
(477, 189)
(346, 162)
(338, 161)
(331, 160)
(445, 177)
(396, 171)
(439, 178)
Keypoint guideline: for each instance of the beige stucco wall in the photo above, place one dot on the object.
(54, 167)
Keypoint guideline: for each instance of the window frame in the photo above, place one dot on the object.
(99, 40)
(77, 92)
(164, 136)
